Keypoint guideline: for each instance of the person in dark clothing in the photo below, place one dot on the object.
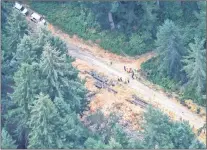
(130, 70)
(132, 74)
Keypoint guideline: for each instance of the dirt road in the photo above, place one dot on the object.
(101, 59)
(157, 98)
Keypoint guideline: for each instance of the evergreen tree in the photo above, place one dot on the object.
(161, 132)
(201, 20)
(61, 78)
(94, 144)
(113, 144)
(136, 144)
(6, 140)
(52, 66)
(26, 86)
(170, 49)
(195, 66)
(25, 52)
(196, 144)
(157, 130)
(136, 44)
(72, 133)
(44, 115)
(149, 19)
(15, 28)
(182, 135)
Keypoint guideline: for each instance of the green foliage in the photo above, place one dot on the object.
(43, 117)
(170, 49)
(201, 18)
(25, 52)
(136, 44)
(197, 145)
(72, 133)
(112, 133)
(43, 111)
(15, 28)
(6, 140)
(94, 144)
(80, 19)
(61, 78)
(157, 130)
(175, 65)
(161, 132)
(135, 144)
(52, 66)
(195, 67)
(26, 87)
(113, 144)
(150, 68)
(182, 135)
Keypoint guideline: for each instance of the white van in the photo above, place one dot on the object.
(21, 8)
(25, 11)
(18, 6)
(35, 17)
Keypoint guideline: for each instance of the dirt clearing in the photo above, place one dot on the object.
(91, 56)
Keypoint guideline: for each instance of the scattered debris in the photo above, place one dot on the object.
(138, 101)
(91, 94)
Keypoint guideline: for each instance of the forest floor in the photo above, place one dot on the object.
(89, 56)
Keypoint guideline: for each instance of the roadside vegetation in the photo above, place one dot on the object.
(43, 99)
(181, 62)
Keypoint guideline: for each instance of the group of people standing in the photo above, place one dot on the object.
(125, 81)
(130, 71)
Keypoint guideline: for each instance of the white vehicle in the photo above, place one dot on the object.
(35, 17)
(25, 11)
(21, 8)
(43, 22)
(18, 6)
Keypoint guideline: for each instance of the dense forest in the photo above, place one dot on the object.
(175, 30)
(43, 98)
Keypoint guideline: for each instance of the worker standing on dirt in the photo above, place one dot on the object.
(132, 74)
(125, 81)
(130, 70)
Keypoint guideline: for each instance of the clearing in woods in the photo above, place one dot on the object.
(90, 56)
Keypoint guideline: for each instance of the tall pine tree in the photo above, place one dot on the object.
(26, 87)
(170, 49)
(6, 140)
(43, 132)
(195, 67)
(61, 78)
